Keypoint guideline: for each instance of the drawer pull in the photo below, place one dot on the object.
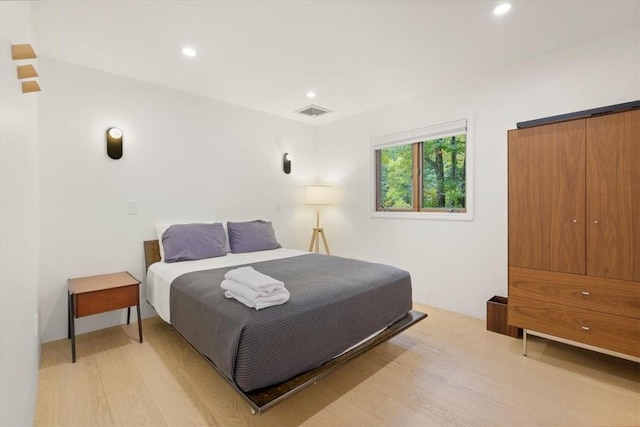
(585, 293)
(586, 328)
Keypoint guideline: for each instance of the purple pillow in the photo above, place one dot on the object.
(251, 236)
(187, 242)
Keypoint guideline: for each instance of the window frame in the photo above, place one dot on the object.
(416, 137)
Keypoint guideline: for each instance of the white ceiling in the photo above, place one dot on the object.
(357, 55)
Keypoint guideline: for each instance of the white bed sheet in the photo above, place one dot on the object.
(161, 274)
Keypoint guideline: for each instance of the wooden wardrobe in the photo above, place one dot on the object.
(574, 232)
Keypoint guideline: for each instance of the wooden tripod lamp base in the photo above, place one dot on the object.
(318, 195)
(315, 241)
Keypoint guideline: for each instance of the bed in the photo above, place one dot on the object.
(339, 308)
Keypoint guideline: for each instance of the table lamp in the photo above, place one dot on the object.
(318, 195)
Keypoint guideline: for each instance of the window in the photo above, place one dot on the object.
(424, 173)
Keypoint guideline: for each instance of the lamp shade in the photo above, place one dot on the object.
(318, 195)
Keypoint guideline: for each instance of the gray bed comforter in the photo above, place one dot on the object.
(335, 303)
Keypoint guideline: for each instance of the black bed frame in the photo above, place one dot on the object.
(263, 399)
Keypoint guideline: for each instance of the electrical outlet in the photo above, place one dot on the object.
(132, 207)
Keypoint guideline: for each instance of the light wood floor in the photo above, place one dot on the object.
(446, 370)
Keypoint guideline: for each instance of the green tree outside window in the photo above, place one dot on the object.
(436, 167)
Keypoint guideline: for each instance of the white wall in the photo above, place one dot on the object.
(185, 158)
(19, 244)
(458, 265)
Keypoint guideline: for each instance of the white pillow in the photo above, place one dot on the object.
(161, 227)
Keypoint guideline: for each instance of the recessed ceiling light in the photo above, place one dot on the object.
(311, 94)
(187, 51)
(502, 8)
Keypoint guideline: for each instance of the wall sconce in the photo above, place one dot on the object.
(286, 163)
(114, 143)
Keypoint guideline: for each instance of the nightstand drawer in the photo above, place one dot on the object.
(100, 301)
(617, 333)
(611, 296)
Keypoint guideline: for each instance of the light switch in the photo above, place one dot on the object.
(132, 207)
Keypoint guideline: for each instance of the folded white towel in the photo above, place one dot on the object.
(254, 279)
(279, 297)
(256, 305)
(252, 294)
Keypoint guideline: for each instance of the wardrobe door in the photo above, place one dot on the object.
(613, 196)
(547, 197)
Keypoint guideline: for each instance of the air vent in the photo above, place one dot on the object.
(313, 111)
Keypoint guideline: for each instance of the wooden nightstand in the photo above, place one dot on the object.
(98, 294)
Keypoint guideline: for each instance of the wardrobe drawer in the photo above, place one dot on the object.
(612, 296)
(617, 333)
